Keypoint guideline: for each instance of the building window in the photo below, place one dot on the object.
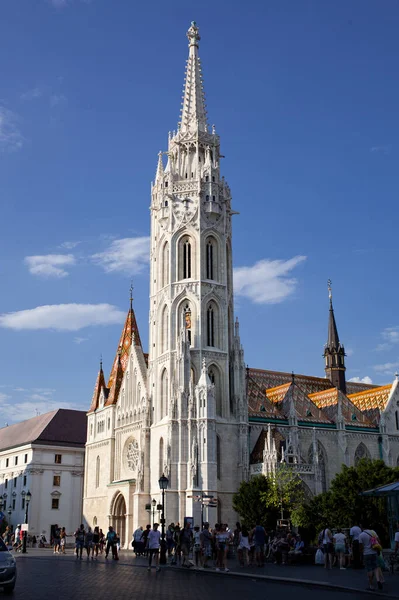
(13, 503)
(187, 321)
(109, 423)
(6, 484)
(160, 457)
(15, 482)
(25, 458)
(210, 250)
(24, 480)
(57, 480)
(164, 266)
(15, 460)
(397, 420)
(58, 459)
(98, 472)
(23, 504)
(361, 453)
(55, 503)
(164, 395)
(186, 259)
(210, 321)
(165, 330)
(7, 462)
(214, 376)
(218, 457)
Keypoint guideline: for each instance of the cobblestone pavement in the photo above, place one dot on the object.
(42, 576)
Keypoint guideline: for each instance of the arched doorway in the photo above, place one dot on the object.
(118, 516)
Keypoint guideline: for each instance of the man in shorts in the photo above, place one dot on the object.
(154, 541)
(80, 541)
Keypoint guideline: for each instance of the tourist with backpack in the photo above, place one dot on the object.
(370, 546)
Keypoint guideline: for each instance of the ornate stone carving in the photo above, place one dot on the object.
(132, 454)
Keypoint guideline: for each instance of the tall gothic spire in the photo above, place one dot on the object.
(193, 112)
(334, 352)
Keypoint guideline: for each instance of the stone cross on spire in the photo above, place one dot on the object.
(193, 112)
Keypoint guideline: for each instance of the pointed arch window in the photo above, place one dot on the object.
(187, 321)
(210, 259)
(164, 329)
(218, 457)
(210, 322)
(98, 472)
(186, 259)
(321, 462)
(165, 265)
(161, 457)
(164, 394)
(397, 420)
(214, 376)
(361, 453)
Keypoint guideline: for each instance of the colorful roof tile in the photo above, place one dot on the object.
(284, 395)
(372, 402)
(327, 401)
(116, 384)
(130, 333)
(100, 384)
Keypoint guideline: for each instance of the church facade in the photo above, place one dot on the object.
(190, 409)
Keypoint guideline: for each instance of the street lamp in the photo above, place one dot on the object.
(28, 497)
(163, 484)
(154, 503)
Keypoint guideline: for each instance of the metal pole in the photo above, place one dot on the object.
(163, 543)
(25, 532)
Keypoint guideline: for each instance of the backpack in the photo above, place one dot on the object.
(374, 543)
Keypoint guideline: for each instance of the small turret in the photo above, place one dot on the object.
(334, 352)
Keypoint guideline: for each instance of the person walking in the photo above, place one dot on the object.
(340, 547)
(80, 541)
(354, 533)
(63, 539)
(96, 542)
(137, 541)
(370, 546)
(197, 547)
(325, 537)
(89, 543)
(206, 545)
(243, 547)
(259, 535)
(170, 541)
(222, 540)
(102, 541)
(186, 540)
(144, 538)
(56, 539)
(111, 543)
(153, 542)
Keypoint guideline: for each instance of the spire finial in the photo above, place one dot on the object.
(101, 362)
(329, 287)
(193, 34)
(293, 376)
(131, 294)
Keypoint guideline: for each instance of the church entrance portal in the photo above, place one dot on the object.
(118, 517)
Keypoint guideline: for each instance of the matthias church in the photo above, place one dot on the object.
(190, 408)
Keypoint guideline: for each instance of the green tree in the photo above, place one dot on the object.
(285, 492)
(249, 503)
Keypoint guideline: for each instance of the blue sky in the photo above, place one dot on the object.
(304, 95)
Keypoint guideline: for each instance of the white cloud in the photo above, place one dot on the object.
(12, 412)
(384, 149)
(58, 100)
(366, 379)
(33, 94)
(11, 138)
(390, 335)
(387, 368)
(4, 397)
(267, 281)
(80, 340)
(129, 255)
(69, 245)
(62, 317)
(349, 351)
(50, 265)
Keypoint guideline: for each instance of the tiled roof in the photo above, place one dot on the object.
(371, 402)
(258, 404)
(116, 385)
(130, 331)
(100, 384)
(327, 400)
(288, 393)
(60, 427)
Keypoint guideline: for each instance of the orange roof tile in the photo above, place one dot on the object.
(100, 384)
(130, 331)
(373, 401)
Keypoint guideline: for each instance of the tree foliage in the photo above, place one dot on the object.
(342, 505)
(249, 503)
(285, 491)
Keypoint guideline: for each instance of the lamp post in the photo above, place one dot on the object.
(163, 484)
(27, 497)
(154, 503)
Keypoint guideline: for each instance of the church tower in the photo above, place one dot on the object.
(196, 371)
(334, 352)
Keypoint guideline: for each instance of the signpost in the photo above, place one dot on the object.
(206, 500)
